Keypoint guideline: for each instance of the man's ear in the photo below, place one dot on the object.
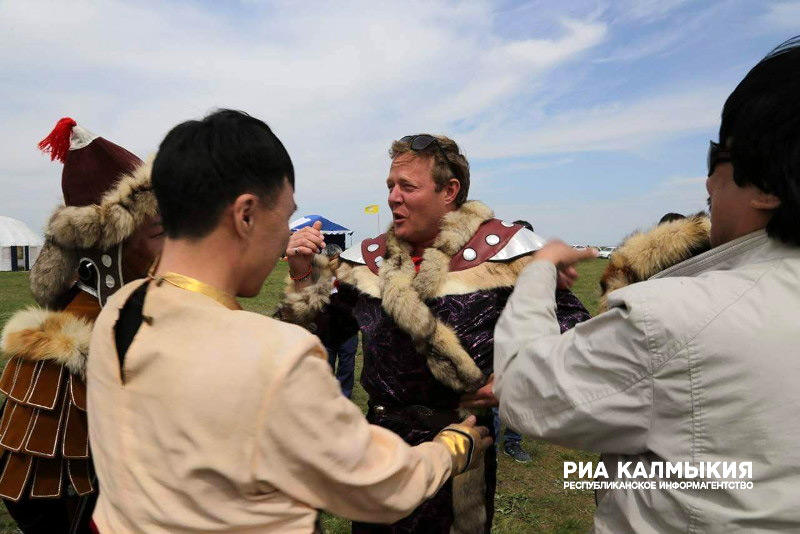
(765, 201)
(243, 213)
(451, 190)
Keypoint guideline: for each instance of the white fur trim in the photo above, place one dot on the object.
(80, 137)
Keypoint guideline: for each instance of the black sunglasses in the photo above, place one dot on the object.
(716, 154)
(422, 141)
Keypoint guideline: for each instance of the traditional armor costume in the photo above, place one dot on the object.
(428, 327)
(47, 480)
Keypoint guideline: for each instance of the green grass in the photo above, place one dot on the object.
(529, 497)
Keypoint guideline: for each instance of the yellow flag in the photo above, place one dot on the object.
(372, 208)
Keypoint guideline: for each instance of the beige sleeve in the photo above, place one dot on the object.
(589, 388)
(318, 448)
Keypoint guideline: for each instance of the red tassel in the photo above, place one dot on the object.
(57, 143)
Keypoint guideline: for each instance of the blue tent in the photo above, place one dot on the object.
(335, 233)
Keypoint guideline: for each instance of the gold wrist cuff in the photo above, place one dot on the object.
(461, 446)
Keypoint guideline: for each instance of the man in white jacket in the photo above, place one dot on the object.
(697, 367)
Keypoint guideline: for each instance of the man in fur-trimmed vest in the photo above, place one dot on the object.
(426, 296)
(105, 235)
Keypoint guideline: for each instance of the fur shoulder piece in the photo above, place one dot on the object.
(301, 307)
(486, 276)
(38, 334)
(460, 225)
(644, 254)
(123, 209)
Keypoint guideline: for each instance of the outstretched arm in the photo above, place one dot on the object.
(590, 387)
(319, 448)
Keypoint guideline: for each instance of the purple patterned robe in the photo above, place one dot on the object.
(396, 375)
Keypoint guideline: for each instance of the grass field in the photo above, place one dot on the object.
(529, 498)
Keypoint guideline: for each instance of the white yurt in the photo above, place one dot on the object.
(19, 245)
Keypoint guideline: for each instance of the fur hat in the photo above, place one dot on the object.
(79, 227)
(92, 164)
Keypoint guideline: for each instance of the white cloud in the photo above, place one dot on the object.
(607, 221)
(683, 181)
(648, 10)
(783, 15)
(619, 125)
(686, 31)
(544, 53)
(336, 82)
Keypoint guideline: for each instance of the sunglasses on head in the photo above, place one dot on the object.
(716, 154)
(422, 141)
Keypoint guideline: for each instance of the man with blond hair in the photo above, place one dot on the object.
(426, 295)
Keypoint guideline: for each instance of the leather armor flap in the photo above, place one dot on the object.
(77, 389)
(46, 385)
(16, 425)
(490, 239)
(81, 476)
(373, 251)
(76, 434)
(15, 475)
(43, 437)
(47, 478)
(7, 380)
(19, 374)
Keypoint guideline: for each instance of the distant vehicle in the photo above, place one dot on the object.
(605, 252)
(579, 247)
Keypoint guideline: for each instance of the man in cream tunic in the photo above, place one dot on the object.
(214, 419)
(697, 365)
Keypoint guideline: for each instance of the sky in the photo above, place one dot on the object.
(590, 119)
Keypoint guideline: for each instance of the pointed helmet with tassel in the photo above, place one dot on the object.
(107, 196)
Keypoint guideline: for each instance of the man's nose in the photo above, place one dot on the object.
(394, 196)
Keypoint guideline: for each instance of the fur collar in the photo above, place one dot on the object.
(37, 334)
(403, 292)
(644, 254)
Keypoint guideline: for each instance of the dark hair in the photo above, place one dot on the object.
(524, 223)
(761, 128)
(671, 216)
(443, 172)
(202, 166)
